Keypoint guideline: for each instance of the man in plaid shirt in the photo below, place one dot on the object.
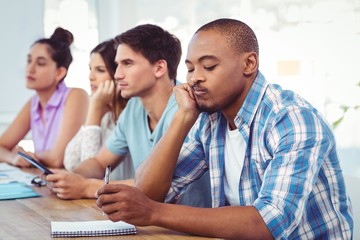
(271, 156)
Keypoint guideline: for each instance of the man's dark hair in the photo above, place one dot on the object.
(239, 35)
(155, 44)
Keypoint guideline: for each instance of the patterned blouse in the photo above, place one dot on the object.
(88, 142)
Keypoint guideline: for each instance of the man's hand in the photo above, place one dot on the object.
(125, 203)
(186, 100)
(67, 185)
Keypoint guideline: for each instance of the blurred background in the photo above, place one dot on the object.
(309, 46)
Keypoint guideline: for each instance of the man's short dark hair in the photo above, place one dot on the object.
(155, 44)
(239, 35)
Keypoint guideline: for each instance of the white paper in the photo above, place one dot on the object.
(92, 228)
(10, 174)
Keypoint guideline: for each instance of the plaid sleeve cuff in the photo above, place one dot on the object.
(273, 219)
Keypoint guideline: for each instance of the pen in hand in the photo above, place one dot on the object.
(107, 177)
(107, 174)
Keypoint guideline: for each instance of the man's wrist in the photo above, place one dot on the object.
(188, 117)
(156, 213)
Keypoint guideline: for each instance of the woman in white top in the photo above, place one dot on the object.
(106, 104)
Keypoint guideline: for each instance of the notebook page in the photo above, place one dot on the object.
(91, 228)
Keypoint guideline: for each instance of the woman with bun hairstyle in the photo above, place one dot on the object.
(55, 113)
(106, 104)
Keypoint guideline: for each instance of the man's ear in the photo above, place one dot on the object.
(160, 68)
(251, 63)
(61, 73)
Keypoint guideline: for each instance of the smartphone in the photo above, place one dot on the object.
(35, 163)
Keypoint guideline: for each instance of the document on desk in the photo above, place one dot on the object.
(10, 174)
(16, 190)
(91, 228)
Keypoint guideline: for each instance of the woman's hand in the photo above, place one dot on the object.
(104, 94)
(19, 161)
(99, 102)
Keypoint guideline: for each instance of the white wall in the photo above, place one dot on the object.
(115, 16)
(21, 24)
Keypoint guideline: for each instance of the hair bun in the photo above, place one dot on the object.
(62, 35)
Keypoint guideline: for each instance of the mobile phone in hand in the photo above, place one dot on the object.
(35, 163)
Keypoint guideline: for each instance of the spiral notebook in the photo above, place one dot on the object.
(91, 228)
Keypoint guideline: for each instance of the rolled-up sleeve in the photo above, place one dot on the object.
(298, 143)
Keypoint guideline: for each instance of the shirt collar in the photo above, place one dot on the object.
(57, 96)
(252, 101)
(54, 101)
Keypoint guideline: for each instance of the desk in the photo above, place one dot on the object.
(30, 218)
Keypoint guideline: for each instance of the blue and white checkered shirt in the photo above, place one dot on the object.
(291, 172)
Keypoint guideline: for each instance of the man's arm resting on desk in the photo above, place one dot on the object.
(67, 185)
(95, 167)
(86, 178)
(129, 204)
(227, 222)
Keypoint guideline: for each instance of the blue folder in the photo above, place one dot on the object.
(15, 190)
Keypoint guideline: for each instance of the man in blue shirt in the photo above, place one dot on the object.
(147, 58)
(272, 159)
